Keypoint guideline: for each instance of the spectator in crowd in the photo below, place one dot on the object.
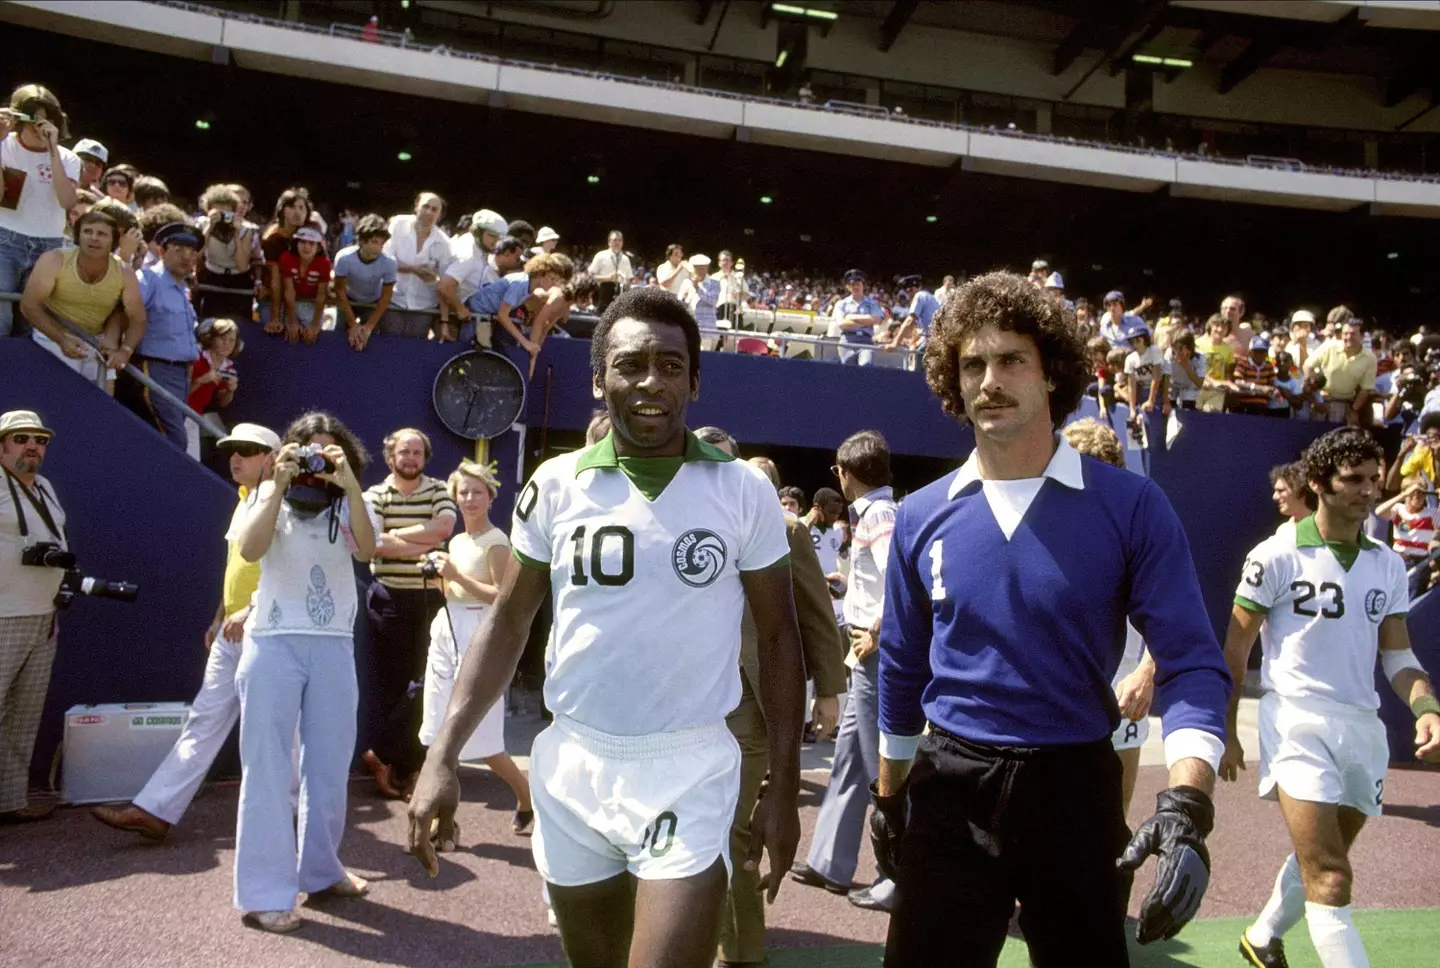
(514, 301)
(119, 184)
(1289, 396)
(132, 239)
(733, 292)
(1085, 326)
(421, 251)
(1255, 382)
(486, 261)
(611, 268)
(1146, 373)
(1291, 494)
(417, 516)
(151, 221)
(580, 292)
(547, 238)
(292, 212)
(83, 285)
(84, 201)
(38, 189)
(213, 378)
(1097, 349)
(862, 465)
(226, 265)
(1349, 372)
(30, 514)
(854, 319)
(167, 350)
(472, 570)
(1116, 321)
(305, 278)
(216, 707)
(1039, 269)
(150, 191)
(1170, 325)
(922, 308)
(1238, 333)
(674, 272)
(504, 264)
(1302, 336)
(299, 663)
(364, 274)
(1187, 370)
(1419, 458)
(345, 229)
(792, 500)
(947, 286)
(93, 157)
(703, 294)
(1219, 365)
(1414, 521)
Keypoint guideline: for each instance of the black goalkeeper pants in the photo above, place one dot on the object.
(992, 825)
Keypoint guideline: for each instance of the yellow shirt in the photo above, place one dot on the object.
(241, 577)
(1219, 358)
(1421, 460)
(86, 304)
(1344, 375)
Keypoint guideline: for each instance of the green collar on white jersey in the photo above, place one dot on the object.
(1307, 535)
(650, 475)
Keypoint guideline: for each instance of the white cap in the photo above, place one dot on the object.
(1055, 282)
(491, 222)
(699, 260)
(249, 433)
(547, 234)
(1302, 316)
(93, 148)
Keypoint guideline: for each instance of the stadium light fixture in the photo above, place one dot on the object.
(811, 12)
(1177, 62)
(404, 156)
(932, 218)
(766, 199)
(1147, 59)
(202, 125)
(784, 55)
(593, 179)
(1154, 61)
(1393, 255)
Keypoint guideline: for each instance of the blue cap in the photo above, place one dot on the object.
(1139, 329)
(1259, 343)
(1113, 295)
(855, 275)
(177, 233)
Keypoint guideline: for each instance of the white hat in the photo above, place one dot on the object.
(1055, 282)
(1302, 316)
(699, 260)
(489, 221)
(93, 148)
(17, 420)
(306, 233)
(249, 433)
(547, 234)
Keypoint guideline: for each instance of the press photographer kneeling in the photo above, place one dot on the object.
(298, 661)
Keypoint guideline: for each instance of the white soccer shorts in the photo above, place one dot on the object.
(1323, 753)
(658, 806)
(1131, 735)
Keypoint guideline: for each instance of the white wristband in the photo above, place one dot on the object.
(1396, 661)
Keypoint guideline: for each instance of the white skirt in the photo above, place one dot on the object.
(440, 671)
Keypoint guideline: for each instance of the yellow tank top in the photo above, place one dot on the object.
(86, 304)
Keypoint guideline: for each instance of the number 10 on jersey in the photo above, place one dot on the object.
(594, 549)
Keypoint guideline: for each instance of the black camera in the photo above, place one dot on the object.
(313, 460)
(47, 554)
(1411, 389)
(429, 567)
(75, 583)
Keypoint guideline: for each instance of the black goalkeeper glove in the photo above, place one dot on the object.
(1176, 834)
(887, 828)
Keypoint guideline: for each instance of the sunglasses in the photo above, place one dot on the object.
(249, 450)
(22, 439)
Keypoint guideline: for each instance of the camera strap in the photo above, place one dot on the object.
(38, 503)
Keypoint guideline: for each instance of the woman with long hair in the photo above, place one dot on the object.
(298, 662)
(292, 213)
(472, 570)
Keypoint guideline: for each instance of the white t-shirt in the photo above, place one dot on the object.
(28, 589)
(29, 206)
(412, 292)
(462, 246)
(1322, 623)
(827, 542)
(472, 273)
(647, 594)
(1184, 388)
(307, 582)
(1148, 367)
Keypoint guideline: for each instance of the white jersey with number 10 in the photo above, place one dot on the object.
(647, 593)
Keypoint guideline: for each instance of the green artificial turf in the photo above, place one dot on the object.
(1393, 938)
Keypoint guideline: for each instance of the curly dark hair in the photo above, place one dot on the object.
(317, 422)
(1293, 474)
(1344, 446)
(1012, 303)
(649, 305)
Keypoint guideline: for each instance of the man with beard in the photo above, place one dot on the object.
(652, 543)
(417, 516)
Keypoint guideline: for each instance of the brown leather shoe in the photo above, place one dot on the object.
(31, 812)
(133, 819)
(384, 776)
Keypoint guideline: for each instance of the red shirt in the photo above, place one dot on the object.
(202, 397)
(315, 276)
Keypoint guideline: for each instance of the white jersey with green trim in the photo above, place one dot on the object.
(647, 593)
(1321, 630)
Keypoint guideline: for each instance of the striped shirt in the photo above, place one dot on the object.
(1262, 375)
(873, 519)
(397, 510)
(1414, 530)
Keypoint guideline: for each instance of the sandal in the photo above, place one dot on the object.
(384, 778)
(351, 885)
(272, 922)
(522, 820)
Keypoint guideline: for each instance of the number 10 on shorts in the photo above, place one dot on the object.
(659, 837)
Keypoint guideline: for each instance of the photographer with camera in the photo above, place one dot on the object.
(228, 246)
(298, 661)
(34, 556)
(1419, 458)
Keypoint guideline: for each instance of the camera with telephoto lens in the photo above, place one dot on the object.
(430, 566)
(222, 228)
(47, 554)
(312, 460)
(75, 583)
(1411, 388)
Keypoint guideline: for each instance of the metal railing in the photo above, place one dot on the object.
(392, 39)
(204, 426)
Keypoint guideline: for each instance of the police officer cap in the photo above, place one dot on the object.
(855, 275)
(177, 233)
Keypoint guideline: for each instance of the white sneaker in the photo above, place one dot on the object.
(550, 916)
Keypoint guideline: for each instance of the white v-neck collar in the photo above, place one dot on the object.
(1009, 500)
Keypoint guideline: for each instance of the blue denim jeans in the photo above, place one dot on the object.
(18, 254)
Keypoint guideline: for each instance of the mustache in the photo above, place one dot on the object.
(996, 400)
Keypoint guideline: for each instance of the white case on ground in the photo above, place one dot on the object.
(111, 750)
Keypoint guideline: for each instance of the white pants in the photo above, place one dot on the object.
(441, 669)
(213, 713)
(1323, 752)
(90, 367)
(279, 678)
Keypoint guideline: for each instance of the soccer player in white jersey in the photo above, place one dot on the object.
(1323, 597)
(652, 544)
